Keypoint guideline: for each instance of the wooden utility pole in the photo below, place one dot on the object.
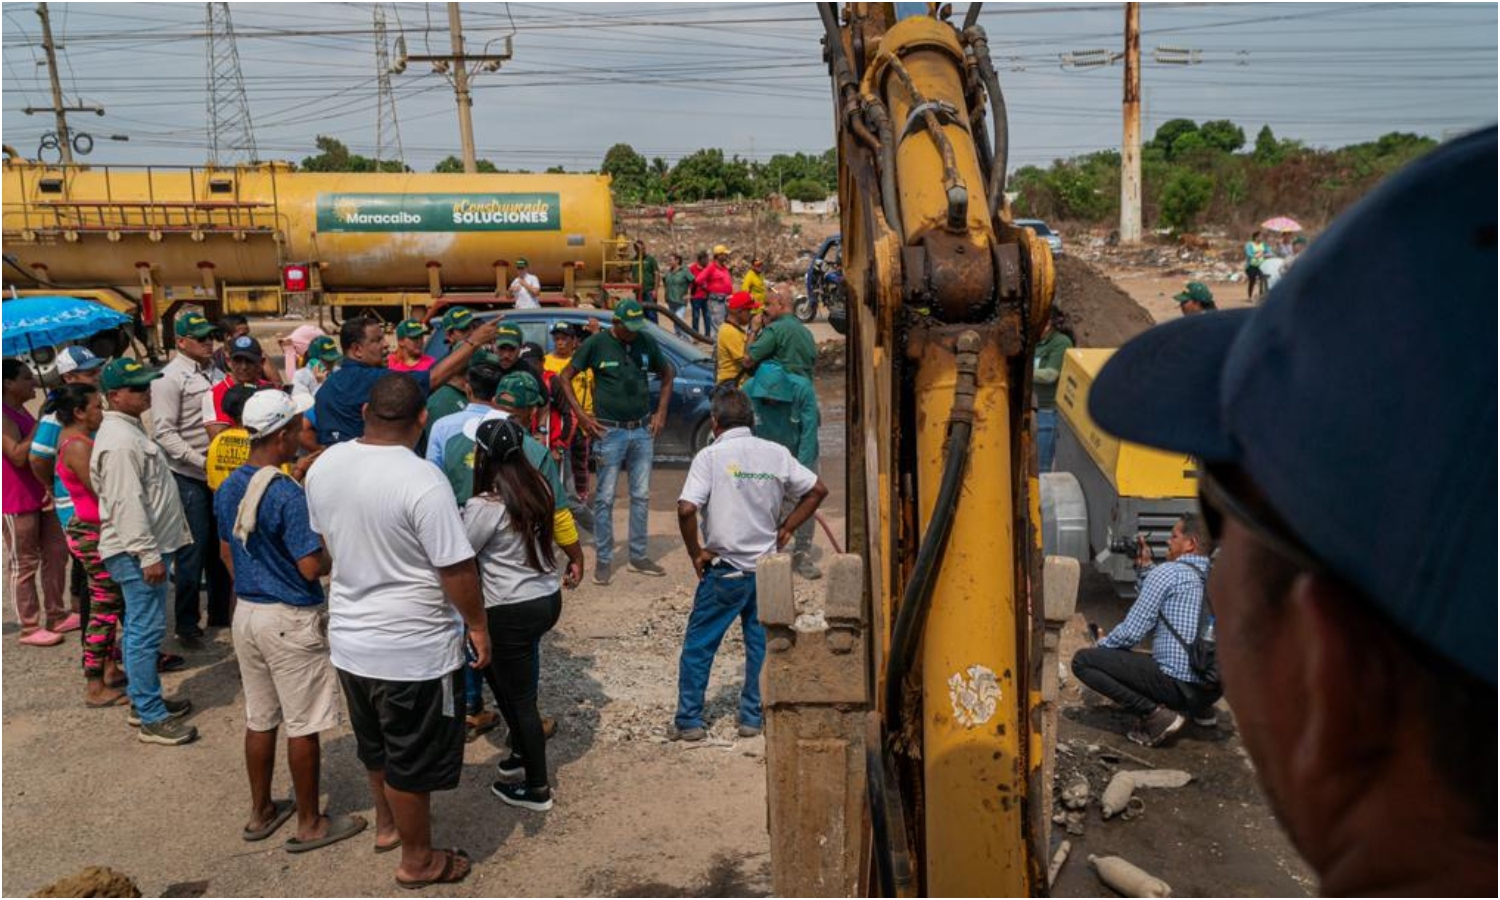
(461, 92)
(64, 138)
(1130, 145)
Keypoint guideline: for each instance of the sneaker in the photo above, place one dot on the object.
(1209, 719)
(176, 709)
(538, 799)
(1157, 727)
(804, 567)
(169, 662)
(602, 575)
(750, 731)
(511, 767)
(42, 638)
(647, 567)
(685, 734)
(168, 731)
(192, 642)
(71, 623)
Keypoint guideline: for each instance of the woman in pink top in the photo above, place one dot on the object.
(33, 536)
(79, 408)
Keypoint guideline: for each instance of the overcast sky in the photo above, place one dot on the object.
(670, 78)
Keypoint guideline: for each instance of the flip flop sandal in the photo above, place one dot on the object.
(116, 700)
(284, 810)
(444, 877)
(387, 848)
(339, 827)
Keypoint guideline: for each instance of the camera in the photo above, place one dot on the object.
(1129, 545)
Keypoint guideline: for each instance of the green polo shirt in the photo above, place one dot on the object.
(458, 466)
(1048, 368)
(678, 283)
(649, 270)
(787, 341)
(444, 401)
(620, 370)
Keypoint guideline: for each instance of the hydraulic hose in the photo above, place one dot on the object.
(971, 18)
(906, 636)
(981, 46)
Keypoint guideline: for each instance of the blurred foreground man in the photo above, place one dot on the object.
(1356, 627)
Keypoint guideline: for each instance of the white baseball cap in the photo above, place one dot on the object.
(76, 359)
(269, 410)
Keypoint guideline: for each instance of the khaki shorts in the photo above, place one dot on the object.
(284, 666)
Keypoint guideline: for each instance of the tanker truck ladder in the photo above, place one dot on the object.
(619, 271)
(51, 207)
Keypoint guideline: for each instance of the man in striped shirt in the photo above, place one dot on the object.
(1161, 688)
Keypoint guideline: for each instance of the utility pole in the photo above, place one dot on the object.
(1130, 145)
(64, 138)
(231, 134)
(460, 61)
(387, 128)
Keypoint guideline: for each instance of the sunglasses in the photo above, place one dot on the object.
(1217, 502)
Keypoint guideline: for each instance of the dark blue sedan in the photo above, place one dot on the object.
(687, 430)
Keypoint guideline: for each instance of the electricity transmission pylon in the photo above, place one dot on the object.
(387, 129)
(231, 136)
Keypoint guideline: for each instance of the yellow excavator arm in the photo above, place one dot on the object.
(942, 751)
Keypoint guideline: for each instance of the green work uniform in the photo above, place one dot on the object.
(1048, 368)
(786, 411)
(787, 341)
(458, 466)
(678, 283)
(620, 374)
(649, 270)
(444, 401)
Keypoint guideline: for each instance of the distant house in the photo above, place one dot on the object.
(828, 206)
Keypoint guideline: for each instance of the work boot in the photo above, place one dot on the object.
(804, 567)
(750, 731)
(176, 709)
(1161, 724)
(685, 734)
(602, 575)
(169, 732)
(647, 567)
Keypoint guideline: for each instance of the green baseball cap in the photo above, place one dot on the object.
(123, 373)
(630, 314)
(508, 336)
(483, 357)
(520, 391)
(458, 318)
(522, 263)
(325, 350)
(1196, 292)
(194, 325)
(410, 328)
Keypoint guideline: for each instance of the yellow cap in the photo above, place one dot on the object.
(720, 250)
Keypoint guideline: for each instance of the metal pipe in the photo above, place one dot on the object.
(971, 18)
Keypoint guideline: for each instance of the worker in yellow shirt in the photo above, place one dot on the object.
(755, 282)
(733, 339)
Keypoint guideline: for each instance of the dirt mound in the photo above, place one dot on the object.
(95, 881)
(1102, 315)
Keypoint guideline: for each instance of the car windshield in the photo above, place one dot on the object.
(1036, 225)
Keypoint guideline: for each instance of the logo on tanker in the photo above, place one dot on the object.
(438, 212)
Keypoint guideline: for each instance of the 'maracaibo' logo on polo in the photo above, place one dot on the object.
(438, 212)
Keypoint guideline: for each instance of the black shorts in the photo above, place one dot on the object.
(414, 730)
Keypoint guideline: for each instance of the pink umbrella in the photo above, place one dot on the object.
(1281, 223)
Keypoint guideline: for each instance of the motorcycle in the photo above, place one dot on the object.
(824, 283)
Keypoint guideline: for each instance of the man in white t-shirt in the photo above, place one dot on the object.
(738, 483)
(405, 586)
(525, 287)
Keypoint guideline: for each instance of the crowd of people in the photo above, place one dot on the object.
(441, 501)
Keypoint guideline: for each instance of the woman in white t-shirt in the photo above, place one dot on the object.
(509, 523)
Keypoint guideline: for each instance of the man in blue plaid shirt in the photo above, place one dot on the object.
(1161, 688)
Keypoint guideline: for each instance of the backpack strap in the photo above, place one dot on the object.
(1203, 608)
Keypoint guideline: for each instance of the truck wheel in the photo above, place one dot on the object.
(703, 435)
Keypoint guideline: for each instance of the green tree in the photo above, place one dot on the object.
(335, 157)
(807, 190)
(707, 175)
(1223, 135)
(629, 172)
(1168, 134)
(1267, 149)
(1184, 197)
(452, 165)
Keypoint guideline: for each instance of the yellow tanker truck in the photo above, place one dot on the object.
(251, 239)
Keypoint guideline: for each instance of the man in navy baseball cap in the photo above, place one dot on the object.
(1346, 437)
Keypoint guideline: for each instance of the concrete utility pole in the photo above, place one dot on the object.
(465, 100)
(1130, 145)
(64, 138)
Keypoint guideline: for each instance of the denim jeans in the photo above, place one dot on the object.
(718, 309)
(677, 310)
(702, 323)
(1046, 438)
(631, 448)
(145, 626)
(723, 595)
(198, 508)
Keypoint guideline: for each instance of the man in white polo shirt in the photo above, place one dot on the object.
(738, 483)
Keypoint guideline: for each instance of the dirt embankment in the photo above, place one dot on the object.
(1102, 315)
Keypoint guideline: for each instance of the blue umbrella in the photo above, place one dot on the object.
(33, 322)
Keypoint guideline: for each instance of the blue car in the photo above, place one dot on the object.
(688, 429)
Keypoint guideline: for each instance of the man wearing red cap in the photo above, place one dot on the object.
(733, 338)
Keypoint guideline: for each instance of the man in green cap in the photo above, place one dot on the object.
(322, 357)
(143, 527)
(1195, 298)
(508, 345)
(458, 323)
(786, 412)
(621, 360)
(179, 427)
(409, 346)
(525, 288)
